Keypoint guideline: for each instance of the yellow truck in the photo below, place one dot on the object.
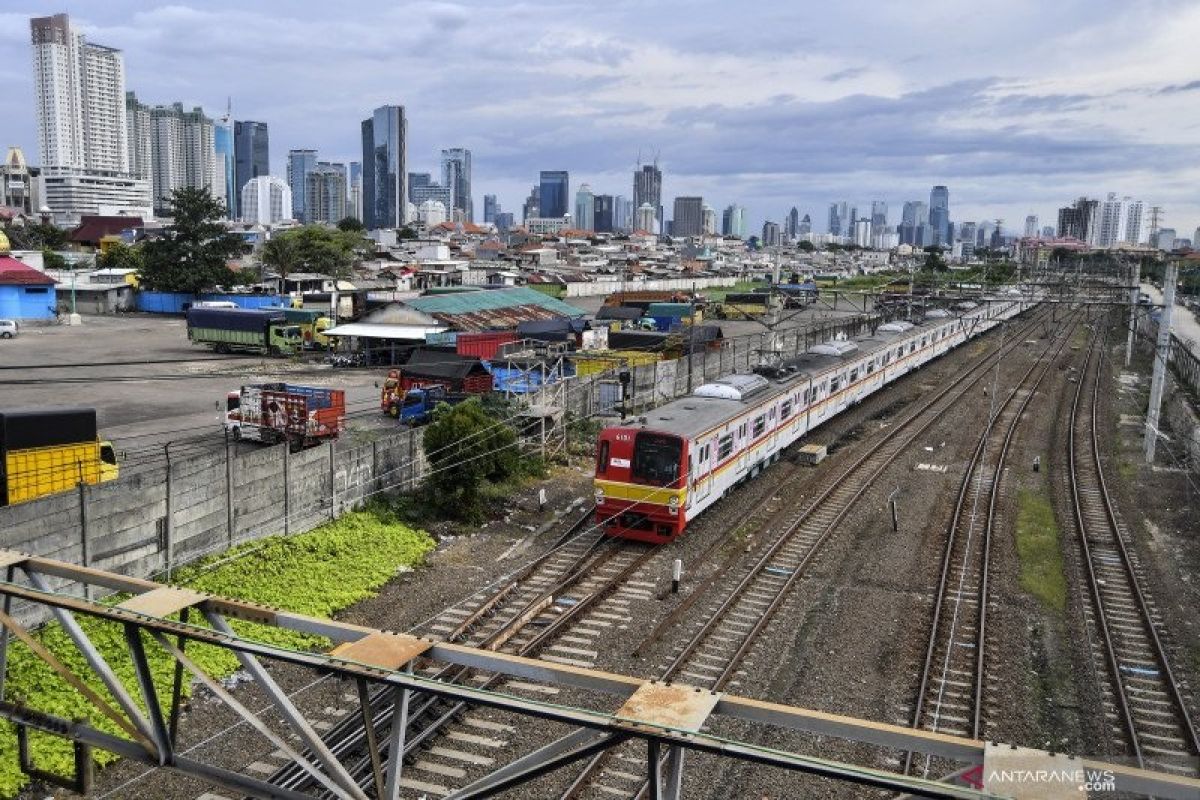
(43, 452)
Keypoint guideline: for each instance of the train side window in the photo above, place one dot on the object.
(602, 459)
(853, 375)
(760, 425)
(724, 447)
(870, 367)
(900, 351)
(785, 410)
(834, 383)
(912, 347)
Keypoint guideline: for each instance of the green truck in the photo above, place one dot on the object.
(227, 330)
(312, 324)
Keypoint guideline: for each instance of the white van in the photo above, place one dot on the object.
(9, 328)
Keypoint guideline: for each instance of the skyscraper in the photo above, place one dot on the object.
(385, 168)
(805, 226)
(531, 208)
(299, 164)
(79, 92)
(646, 218)
(1080, 220)
(912, 219)
(490, 207)
(939, 215)
(325, 187)
(554, 193)
(688, 219)
(456, 175)
(770, 234)
(224, 154)
(585, 209)
(622, 213)
(354, 201)
(792, 228)
(1031, 226)
(1133, 222)
(251, 155)
(175, 149)
(733, 221)
(647, 188)
(879, 217)
(602, 213)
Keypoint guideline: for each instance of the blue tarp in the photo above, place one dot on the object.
(179, 302)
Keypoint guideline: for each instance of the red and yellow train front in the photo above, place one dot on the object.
(641, 484)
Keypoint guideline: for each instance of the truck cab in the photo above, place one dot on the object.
(416, 406)
(286, 339)
(109, 471)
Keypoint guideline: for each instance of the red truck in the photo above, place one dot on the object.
(303, 416)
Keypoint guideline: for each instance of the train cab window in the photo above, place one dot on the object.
(107, 454)
(760, 425)
(602, 458)
(656, 458)
(724, 447)
(785, 410)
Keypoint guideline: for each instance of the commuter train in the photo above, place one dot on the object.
(657, 473)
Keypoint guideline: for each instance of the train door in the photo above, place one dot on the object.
(704, 468)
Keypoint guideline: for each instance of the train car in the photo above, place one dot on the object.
(659, 472)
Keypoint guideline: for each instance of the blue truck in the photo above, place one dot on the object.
(415, 406)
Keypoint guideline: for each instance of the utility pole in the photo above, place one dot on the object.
(1161, 352)
(1133, 307)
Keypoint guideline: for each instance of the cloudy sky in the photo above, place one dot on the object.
(1018, 107)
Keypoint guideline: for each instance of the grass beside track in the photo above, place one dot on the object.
(1039, 551)
(316, 573)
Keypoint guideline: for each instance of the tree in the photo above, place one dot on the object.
(466, 447)
(192, 254)
(350, 224)
(52, 260)
(36, 236)
(313, 248)
(120, 256)
(934, 260)
(807, 246)
(406, 233)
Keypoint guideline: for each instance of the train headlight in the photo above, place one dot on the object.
(599, 495)
(673, 503)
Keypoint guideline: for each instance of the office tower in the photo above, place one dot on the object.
(79, 94)
(531, 208)
(490, 207)
(791, 228)
(266, 200)
(456, 176)
(427, 191)
(1164, 239)
(354, 199)
(1031, 226)
(912, 218)
(879, 213)
(1048, 231)
(1133, 221)
(733, 221)
(585, 209)
(805, 227)
(983, 234)
(841, 217)
(647, 188)
(1080, 220)
(647, 217)
(299, 164)
(325, 187)
(418, 180)
(602, 213)
(623, 209)
(967, 233)
(251, 155)
(224, 157)
(175, 149)
(385, 168)
(553, 193)
(688, 217)
(710, 221)
(504, 221)
(939, 215)
(770, 234)
(862, 232)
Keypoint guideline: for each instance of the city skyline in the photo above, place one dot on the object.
(1009, 144)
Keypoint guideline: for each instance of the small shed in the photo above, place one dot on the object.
(25, 293)
(438, 368)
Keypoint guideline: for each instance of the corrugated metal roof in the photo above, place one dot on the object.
(492, 300)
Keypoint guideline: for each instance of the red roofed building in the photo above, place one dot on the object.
(93, 227)
(25, 293)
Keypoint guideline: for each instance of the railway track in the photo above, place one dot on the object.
(950, 694)
(712, 656)
(1146, 709)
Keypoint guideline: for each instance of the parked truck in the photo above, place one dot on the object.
(415, 406)
(275, 412)
(265, 331)
(47, 451)
(312, 324)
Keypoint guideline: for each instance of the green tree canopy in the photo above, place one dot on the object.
(36, 236)
(807, 246)
(120, 256)
(934, 260)
(350, 224)
(313, 248)
(406, 233)
(52, 260)
(465, 447)
(192, 255)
